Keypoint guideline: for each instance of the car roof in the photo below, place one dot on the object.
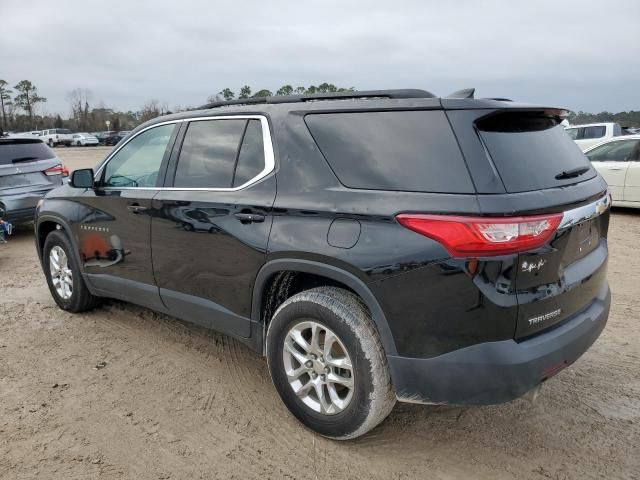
(345, 101)
(592, 124)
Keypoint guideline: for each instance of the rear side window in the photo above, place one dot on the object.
(220, 154)
(529, 149)
(251, 157)
(411, 150)
(19, 151)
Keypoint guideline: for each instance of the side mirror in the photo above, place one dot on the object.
(82, 178)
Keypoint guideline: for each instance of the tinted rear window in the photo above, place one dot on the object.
(401, 150)
(530, 149)
(23, 151)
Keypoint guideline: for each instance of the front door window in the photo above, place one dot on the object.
(137, 164)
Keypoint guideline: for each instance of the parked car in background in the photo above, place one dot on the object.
(589, 134)
(618, 161)
(57, 136)
(28, 170)
(102, 136)
(113, 139)
(84, 139)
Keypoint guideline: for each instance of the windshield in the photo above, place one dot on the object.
(573, 133)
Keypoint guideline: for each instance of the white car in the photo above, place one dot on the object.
(84, 139)
(57, 136)
(590, 134)
(618, 161)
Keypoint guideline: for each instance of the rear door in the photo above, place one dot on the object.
(115, 218)
(212, 221)
(612, 162)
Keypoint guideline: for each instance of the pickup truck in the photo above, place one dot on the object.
(590, 134)
(57, 136)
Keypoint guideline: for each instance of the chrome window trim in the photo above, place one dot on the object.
(269, 156)
(586, 212)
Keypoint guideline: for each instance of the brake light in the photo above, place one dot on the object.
(57, 170)
(482, 236)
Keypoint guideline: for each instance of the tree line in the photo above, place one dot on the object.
(625, 119)
(227, 94)
(19, 108)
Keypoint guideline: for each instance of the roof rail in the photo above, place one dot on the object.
(405, 93)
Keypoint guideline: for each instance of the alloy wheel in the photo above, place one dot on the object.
(61, 274)
(318, 367)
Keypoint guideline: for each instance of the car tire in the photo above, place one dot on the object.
(77, 298)
(351, 412)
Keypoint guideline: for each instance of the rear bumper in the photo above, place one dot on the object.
(498, 372)
(21, 208)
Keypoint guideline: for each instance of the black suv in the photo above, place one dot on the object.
(374, 245)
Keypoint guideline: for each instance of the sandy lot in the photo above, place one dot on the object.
(173, 401)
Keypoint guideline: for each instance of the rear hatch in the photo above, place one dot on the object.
(536, 160)
(27, 165)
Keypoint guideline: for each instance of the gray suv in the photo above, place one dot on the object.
(28, 170)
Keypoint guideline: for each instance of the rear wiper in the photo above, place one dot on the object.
(576, 172)
(23, 159)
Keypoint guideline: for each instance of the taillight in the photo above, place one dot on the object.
(482, 236)
(57, 170)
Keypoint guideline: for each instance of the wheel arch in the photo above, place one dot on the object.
(335, 275)
(45, 224)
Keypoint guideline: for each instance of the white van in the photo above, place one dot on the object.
(57, 136)
(588, 135)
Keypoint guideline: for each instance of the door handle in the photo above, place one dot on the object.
(249, 217)
(135, 208)
(614, 168)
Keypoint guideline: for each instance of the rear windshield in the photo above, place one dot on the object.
(400, 150)
(18, 151)
(530, 150)
(63, 131)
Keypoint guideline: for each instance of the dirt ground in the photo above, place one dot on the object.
(123, 392)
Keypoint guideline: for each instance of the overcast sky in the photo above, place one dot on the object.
(580, 54)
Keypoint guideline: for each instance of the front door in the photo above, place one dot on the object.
(611, 161)
(632, 182)
(211, 223)
(115, 218)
